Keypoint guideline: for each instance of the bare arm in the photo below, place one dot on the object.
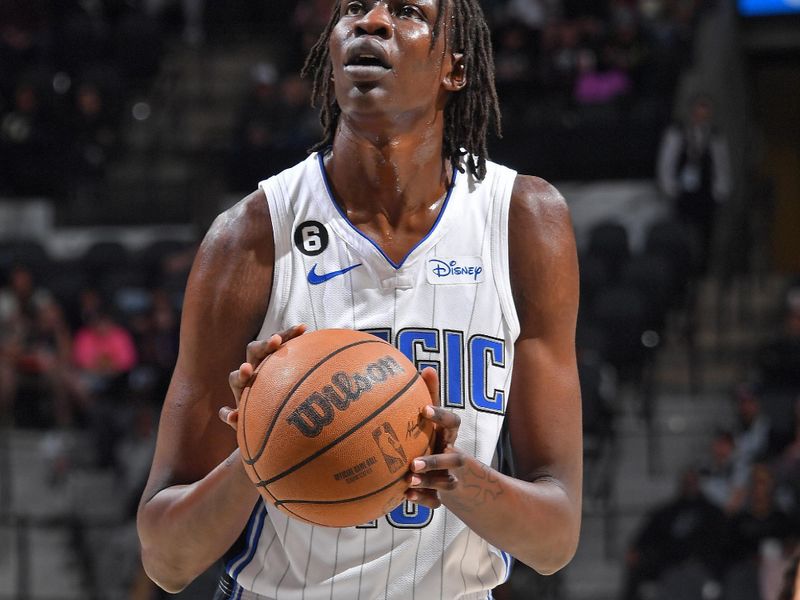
(198, 497)
(535, 517)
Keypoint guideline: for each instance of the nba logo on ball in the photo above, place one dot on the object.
(390, 446)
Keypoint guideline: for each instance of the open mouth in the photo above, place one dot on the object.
(367, 60)
(366, 68)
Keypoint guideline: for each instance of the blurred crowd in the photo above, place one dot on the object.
(66, 71)
(88, 347)
(733, 526)
(601, 57)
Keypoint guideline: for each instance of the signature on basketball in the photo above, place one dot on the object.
(317, 411)
(413, 430)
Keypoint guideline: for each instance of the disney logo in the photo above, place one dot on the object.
(441, 268)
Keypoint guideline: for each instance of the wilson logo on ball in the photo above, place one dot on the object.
(314, 413)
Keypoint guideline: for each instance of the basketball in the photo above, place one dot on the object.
(330, 424)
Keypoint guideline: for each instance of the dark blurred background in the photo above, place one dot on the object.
(672, 127)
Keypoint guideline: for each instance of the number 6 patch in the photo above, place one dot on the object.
(311, 238)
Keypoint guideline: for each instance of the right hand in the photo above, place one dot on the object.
(239, 379)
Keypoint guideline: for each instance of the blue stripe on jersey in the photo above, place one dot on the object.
(253, 545)
(369, 239)
(251, 541)
(239, 592)
(509, 561)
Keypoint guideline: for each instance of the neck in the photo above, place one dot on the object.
(388, 173)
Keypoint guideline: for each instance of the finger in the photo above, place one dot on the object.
(293, 332)
(429, 498)
(431, 379)
(437, 480)
(437, 462)
(239, 378)
(229, 416)
(258, 350)
(446, 421)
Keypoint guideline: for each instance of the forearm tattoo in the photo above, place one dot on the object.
(480, 486)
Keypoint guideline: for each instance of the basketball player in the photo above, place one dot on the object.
(398, 225)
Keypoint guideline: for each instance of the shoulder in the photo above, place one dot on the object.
(237, 248)
(543, 265)
(537, 210)
(228, 289)
(241, 227)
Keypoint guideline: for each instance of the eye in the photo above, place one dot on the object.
(354, 8)
(410, 11)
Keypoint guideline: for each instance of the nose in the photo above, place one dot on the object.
(376, 21)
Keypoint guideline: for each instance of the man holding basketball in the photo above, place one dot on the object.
(399, 226)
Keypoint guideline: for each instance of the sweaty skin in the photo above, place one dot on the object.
(388, 175)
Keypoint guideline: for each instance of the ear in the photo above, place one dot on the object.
(455, 76)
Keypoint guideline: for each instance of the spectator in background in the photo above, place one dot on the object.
(600, 81)
(275, 124)
(157, 334)
(786, 466)
(94, 138)
(254, 138)
(23, 41)
(694, 170)
(562, 45)
(298, 125)
(28, 143)
(20, 302)
(309, 19)
(104, 352)
(750, 441)
(778, 361)
(753, 427)
(515, 67)
(21, 299)
(762, 537)
(722, 478)
(687, 528)
(35, 355)
(630, 50)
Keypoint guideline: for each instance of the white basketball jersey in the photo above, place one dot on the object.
(448, 305)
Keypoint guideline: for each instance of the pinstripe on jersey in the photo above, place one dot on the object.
(448, 305)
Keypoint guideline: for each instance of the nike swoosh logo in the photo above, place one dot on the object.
(315, 278)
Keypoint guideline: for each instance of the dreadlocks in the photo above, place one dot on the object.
(468, 113)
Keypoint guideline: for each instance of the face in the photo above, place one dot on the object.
(383, 59)
(701, 112)
(721, 449)
(22, 281)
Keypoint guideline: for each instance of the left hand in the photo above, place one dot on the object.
(438, 471)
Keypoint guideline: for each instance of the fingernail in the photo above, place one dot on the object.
(415, 480)
(429, 411)
(419, 464)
